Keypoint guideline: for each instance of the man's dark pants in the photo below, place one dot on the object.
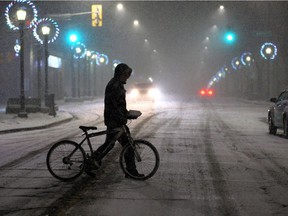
(105, 148)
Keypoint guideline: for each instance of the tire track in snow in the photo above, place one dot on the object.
(227, 206)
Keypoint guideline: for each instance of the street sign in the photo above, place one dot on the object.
(97, 15)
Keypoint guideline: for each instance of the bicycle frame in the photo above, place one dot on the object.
(119, 131)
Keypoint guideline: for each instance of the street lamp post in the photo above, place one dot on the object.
(94, 56)
(73, 39)
(46, 32)
(79, 51)
(21, 16)
(87, 88)
(269, 52)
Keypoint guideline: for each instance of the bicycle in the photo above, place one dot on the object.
(67, 160)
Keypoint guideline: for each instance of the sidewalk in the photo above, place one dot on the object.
(12, 123)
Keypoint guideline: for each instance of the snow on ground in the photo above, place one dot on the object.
(12, 121)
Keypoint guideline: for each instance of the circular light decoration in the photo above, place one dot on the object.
(94, 56)
(246, 58)
(235, 63)
(268, 51)
(54, 30)
(102, 59)
(13, 7)
(115, 63)
(79, 50)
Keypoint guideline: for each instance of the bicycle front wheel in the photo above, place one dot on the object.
(66, 160)
(146, 159)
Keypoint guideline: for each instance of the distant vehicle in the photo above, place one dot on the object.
(278, 114)
(208, 92)
(144, 92)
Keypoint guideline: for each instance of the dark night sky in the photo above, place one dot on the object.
(176, 29)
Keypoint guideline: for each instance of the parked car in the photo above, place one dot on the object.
(278, 114)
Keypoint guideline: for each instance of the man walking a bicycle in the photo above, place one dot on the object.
(115, 116)
(66, 159)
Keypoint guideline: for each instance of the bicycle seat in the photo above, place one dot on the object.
(86, 128)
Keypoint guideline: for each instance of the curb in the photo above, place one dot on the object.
(36, 127)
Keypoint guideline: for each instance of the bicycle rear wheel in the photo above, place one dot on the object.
(147, 163)
(66, 160)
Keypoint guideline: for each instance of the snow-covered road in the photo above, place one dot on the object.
(217, 158)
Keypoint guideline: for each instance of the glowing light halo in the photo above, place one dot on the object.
(102, 56)
(267, 56)
(244, 58)
(234, 63)
(54, 30)
(115, 63)
(225, 69)
(82, 52)
(10, 13)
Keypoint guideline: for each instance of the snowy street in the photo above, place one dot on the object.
(217, 158)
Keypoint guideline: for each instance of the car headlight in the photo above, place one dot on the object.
(153, 93)
(134, 93)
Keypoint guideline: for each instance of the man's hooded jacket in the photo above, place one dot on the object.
(115, 112)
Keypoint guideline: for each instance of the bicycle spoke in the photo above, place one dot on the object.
(66, 160)
(147, 163)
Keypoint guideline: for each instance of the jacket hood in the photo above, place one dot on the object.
(120, 68)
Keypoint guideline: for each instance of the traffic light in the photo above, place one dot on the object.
(73, 38)
(230, 37)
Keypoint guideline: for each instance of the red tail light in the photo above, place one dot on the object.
(210, 92)
(206, 92)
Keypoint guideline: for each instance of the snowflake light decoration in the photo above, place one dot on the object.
(13, 7)
(102, 59)
(246, 58)
(235, 63)
(79, 50)
(268, 51)
(54, 30)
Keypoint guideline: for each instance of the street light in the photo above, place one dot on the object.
(120, 7)
(136, 23)
(246, 58)
(79, 52)
(19, 22)
(21, 17)
(269, 52)
(46, 32)
(87, 82)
